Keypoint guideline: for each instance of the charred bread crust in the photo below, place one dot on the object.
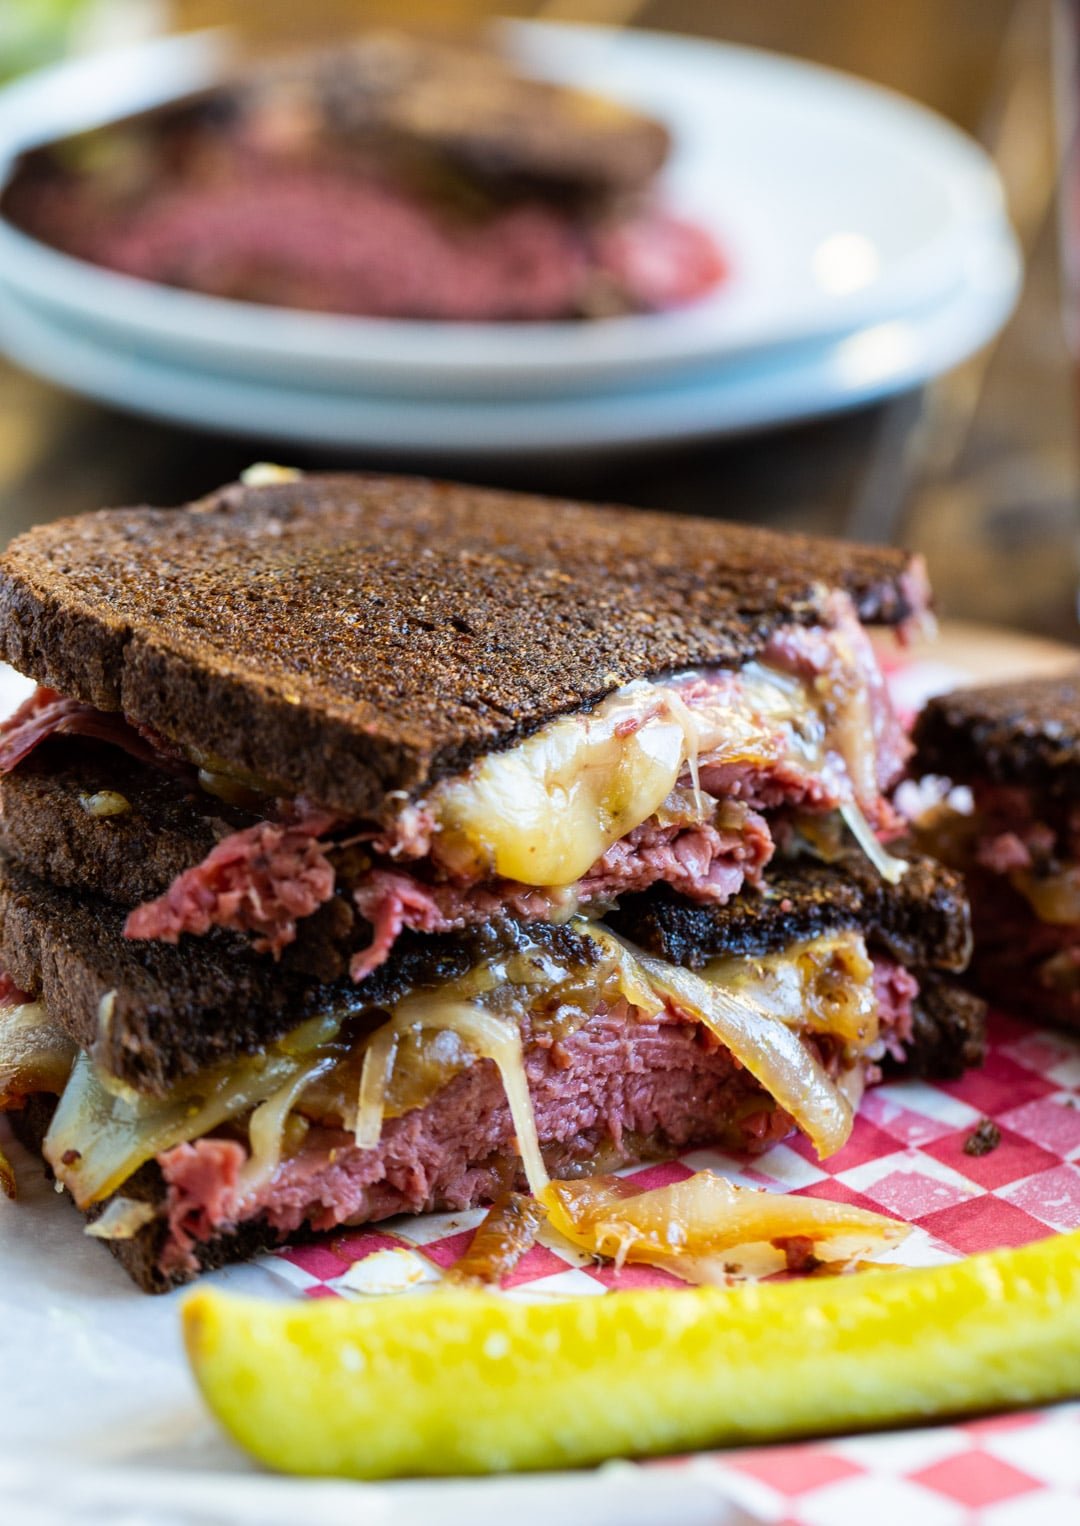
(924, 920)
(1025, 733)
(176, 1009)
(344, 637)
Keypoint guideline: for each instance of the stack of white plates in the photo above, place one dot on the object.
(867, 239)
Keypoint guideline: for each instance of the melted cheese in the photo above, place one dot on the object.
(759, 1009)
(825, 985)
(544, 811)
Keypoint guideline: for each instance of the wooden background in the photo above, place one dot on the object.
(980, 469)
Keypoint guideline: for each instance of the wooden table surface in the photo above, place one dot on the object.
(980, 470)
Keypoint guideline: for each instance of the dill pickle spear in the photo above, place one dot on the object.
(472, 1382)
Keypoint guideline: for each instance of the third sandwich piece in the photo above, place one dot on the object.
(1014, 831)
(374, 845)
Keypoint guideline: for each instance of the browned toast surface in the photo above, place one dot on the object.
(344, 637)
(923, 921)
(1025, 732)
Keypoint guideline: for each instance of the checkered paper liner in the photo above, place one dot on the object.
(905, 1158)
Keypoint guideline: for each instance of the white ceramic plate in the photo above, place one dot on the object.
(813, 378)
(840, 205)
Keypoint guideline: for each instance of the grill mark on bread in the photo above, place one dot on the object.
(309, 631)
(922, 921)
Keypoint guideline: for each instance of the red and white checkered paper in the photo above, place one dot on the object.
(905, 1158)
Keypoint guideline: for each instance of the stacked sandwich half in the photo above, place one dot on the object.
(375, 846)
(1014, 748)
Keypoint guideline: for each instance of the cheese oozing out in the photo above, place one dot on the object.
(545, 810)
(762, 1010)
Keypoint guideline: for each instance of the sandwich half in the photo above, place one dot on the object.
(373, 843)
(1014, 832)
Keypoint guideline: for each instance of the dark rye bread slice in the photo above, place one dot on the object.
(1025, 732)
(47, 822)
(344, 637)
(154, 1013)
(922, 922)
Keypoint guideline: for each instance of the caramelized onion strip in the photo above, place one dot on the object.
(36, 1055)
(706, 1229)
(508, 1230)
(774, 1055)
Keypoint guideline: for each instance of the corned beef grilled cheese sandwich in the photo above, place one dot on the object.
(373, 845)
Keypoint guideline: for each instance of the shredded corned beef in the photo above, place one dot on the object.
(619, 1079)
(821, 654)
(707, 863)
(46, 713)
(702, 862)
(1002, 852)
(1015, 830)
(895, 989)
(206, 1174)
(261, 880)
(764, 786)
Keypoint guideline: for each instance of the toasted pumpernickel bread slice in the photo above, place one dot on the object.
(49, 824)
(154, 1012)
(923, 921)
(344, 637)
(1026, 732)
